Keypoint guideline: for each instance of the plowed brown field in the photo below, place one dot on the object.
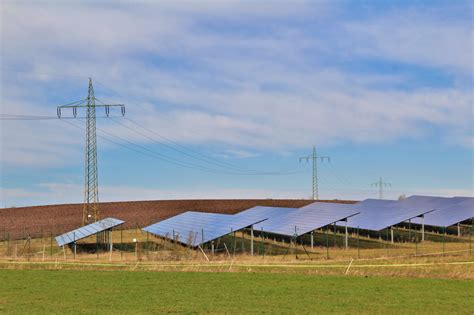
(33, 221)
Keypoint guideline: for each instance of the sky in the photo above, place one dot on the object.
(223, 98)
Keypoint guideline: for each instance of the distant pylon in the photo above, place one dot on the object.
(381, 184)
(90, 211)
(314, 157)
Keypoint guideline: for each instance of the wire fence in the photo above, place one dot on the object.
(329, 243)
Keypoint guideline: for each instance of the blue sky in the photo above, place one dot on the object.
(383, 87)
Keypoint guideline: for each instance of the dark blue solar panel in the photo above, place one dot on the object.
(196, 228)
(429, 202)
(260, 213)
(87, 231)
(377, 214)
(303, 220)
(448, 211)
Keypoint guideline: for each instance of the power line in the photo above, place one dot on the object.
(151, 153)
(158, 156)
(199, 156)
(33, 117)
(163, 157)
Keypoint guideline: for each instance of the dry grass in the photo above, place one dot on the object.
(427, 259)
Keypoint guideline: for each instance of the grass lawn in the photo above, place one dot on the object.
(62, 291)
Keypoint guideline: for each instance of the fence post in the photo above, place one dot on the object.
(295, 238)
(8, 244)
(327, 242)
(470, 236)
(28, 241)
(346, 239)
(148, 244)
(202, 237)
(233, 239)
(111, 244)
(416, 245)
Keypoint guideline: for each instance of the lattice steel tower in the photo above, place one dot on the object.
(314, 157)
(90, 212)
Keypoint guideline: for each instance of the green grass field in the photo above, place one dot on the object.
(61, 291)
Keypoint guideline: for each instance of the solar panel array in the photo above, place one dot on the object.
(195, 228)
(88, 230)
(448, 211)
(303, 220)
(377, 214)
(260, 213)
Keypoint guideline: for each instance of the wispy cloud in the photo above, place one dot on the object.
(239, 75)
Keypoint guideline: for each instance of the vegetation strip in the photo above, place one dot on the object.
(239, 265)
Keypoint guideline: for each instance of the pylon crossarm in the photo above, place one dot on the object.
(106, 106)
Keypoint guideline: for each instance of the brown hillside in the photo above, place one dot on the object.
(56, 219)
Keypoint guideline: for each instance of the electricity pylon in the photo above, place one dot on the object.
(314, 157)
(381, 184)
(90, 211)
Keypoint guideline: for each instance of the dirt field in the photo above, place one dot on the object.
(33, 221)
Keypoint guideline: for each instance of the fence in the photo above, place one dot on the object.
(327, 243)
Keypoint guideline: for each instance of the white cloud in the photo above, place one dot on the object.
(243, 91)
(415, 38)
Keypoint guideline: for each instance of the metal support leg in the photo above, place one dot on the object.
(347, 237)
(391, 234)
(409, 230)
(423, 228)
(212, 247)
(251, 240)
(459, 229)
(312, 239)
(75, 245)
(111, 244)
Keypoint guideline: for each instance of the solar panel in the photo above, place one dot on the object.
(449, 211)
(306, 219)
(88, 230)
(430, 202)
(196, 228)
(260, 213)
(378, 214)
